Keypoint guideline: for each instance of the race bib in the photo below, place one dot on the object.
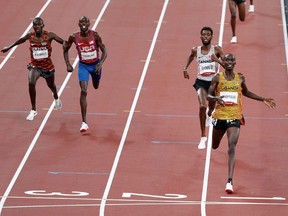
(89, 55)
(229, 98)
(207, 69)
(40, 54)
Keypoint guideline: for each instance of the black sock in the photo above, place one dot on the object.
(229, 180)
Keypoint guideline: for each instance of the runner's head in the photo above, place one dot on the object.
(206, 35)
(229, 61)
(84, 24)
(38, 25)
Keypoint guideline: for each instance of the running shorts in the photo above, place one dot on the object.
(239, 1)
(224, 124)
(84, 70)
(43, 73)
(201, 84)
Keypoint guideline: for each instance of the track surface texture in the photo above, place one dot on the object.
(140, 156)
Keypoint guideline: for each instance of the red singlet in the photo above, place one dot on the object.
(40, 50)
(87, 48)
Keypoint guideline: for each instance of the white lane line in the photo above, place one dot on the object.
(254, 198)
(24, 33)
(151, 200)
(172, 142)
(285, 31)
(28, 152)
(131, 113)
(90, 113)
(148, 203)
(171, 115)
(77, 173)
(209, 142)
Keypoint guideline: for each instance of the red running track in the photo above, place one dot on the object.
(140, 156)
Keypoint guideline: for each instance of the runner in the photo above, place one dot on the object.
(88, 43)
(233, 5)
(207, 59)
(41, 64)
(226, 90)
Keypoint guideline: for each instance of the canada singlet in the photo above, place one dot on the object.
(88, 50)
(207, 68)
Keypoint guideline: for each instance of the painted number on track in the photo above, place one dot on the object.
(167, 196)
(44, 193)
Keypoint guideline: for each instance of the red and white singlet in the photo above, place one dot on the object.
(88, 50)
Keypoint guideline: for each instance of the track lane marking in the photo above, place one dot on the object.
(209, 141)
(284, 24)
(44, 193)
(77, 173)
(132, 109)
(121, 202)
(255, 198)
(167, 196)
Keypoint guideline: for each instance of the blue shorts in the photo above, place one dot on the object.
(84, 70)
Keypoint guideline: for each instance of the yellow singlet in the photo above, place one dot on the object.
(231, 91)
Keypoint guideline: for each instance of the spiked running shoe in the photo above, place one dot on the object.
(202, 143)
(234, 39)
(31, 115)
(84, 127)
(58, 104)
(251, 9)
(229, 188)
(208, 121)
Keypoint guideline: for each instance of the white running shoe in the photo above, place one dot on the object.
(202, 143)
(229, 188)
(58, 104)
(84, 127)
(208, 119)
(31, 115)
(234, 39)
(251, 9)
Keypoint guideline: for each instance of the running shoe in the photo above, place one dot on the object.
(58, 104)
(229, 188)
(251, 9)
(31, 115)
(208, 120)
(202, 143)
(84, 127)
(234, 39)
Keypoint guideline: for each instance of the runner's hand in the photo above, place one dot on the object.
(69, 68)
(98, 68)
(186, 75)
(269, 102)
(220, 100)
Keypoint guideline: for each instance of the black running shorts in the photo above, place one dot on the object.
(224, 124)
(239, 1)
(201, 84)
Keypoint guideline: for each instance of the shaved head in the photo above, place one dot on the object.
(38, 20)
(84, 18)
